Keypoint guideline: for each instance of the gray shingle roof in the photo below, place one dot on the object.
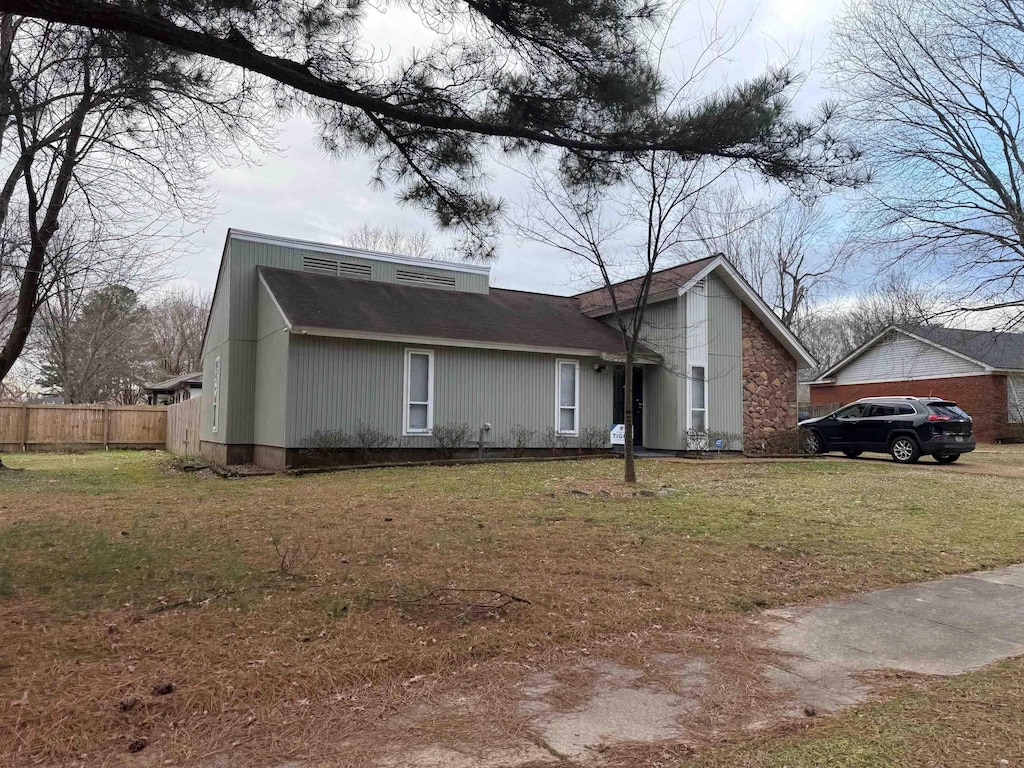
(499, 317)
(169, 384)
(995, 348)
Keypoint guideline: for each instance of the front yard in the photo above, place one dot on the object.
(295, 619)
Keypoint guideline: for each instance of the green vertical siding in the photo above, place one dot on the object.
(336, 383)
(232, 333)
(270, 415)
(725, 363)
(216, 344)
(664, 333)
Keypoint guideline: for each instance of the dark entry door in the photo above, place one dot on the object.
(619, 401)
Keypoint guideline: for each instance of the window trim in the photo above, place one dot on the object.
(215, 400)
(559, 362)
(689, 397)
(407, 431)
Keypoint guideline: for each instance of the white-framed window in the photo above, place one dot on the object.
(567, 396)
(698, 398)
(215, 416)
(418, 418)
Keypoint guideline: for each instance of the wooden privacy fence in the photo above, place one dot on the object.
(183, 421)
(55, 427)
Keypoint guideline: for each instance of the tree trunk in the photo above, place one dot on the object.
(31, 279)
(630, 472)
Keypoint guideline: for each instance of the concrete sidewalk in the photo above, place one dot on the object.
(944, 627)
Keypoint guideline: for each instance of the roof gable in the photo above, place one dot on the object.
(680, 279)
(987, 350)
(899, 356)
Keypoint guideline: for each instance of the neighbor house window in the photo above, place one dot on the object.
(567, 382)
(698, 398)
(419, 391)
(216, 394)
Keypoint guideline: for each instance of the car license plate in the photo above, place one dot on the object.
(959, 438)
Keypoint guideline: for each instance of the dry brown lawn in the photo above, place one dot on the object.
(289, 615)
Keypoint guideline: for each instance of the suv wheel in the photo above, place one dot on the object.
(813, 442)
(946, 458)
(904, 450)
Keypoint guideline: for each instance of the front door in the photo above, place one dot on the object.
(619, 401)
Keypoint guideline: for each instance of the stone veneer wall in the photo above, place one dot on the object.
(769, 384)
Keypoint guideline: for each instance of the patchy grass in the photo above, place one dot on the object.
(973, 720)
(283, 609)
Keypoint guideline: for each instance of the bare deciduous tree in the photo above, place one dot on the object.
(628, 231)
(934, 88)
(108, 132)
(369, 237)
(793, 252)
(177, 323)
(832, 331)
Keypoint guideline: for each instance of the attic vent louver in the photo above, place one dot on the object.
(327, 266)
(415, 277)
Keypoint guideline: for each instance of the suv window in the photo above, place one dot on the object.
(855, 411)
(948, 409)
(882, 410)
(905, 410)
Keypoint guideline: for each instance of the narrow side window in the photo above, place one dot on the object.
(216, 395)
(418, 418)
(567, 383)
(698, 398)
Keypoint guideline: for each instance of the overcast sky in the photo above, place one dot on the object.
(300, 192)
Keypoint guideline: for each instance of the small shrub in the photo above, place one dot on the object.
(707, 440)
(785, 442)
(327, 439)
(373, 440)
(323, 444)
(593, 438)
(521, 439)
(293, 552)
(553, 439)
(450, 436)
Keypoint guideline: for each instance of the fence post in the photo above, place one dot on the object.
(106, 428)
(24, 428)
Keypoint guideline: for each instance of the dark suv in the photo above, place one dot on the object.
(904, 427)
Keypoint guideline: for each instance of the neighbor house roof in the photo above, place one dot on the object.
(174, 383)
(996, 349)
(993, 350)
(501, 318)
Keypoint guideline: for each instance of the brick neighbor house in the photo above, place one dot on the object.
(983, 371)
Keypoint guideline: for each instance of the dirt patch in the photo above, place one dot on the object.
(607, 488)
